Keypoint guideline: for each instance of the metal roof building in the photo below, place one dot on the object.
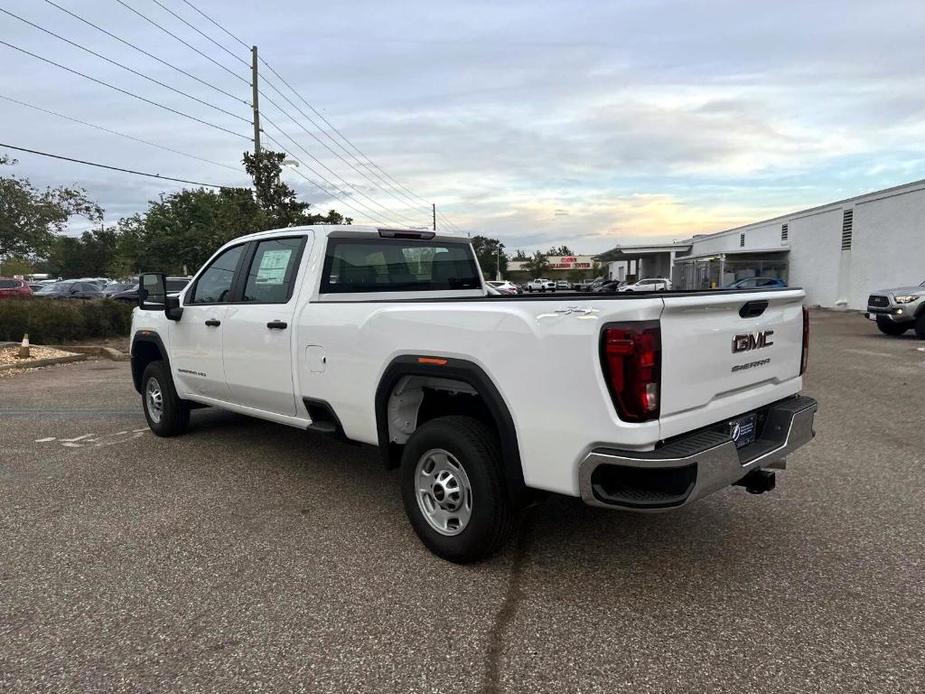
(839, 252)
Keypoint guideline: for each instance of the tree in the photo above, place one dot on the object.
(560, 250)
(30, 218)
(93, 254)
(179, 232)
(520, 256)
(277, 201)
(537, 265)
(183, 229)
(486, 251)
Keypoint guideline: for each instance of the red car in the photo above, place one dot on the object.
(14, 289)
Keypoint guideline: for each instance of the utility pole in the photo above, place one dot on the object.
(434, 209)
(498, 266)
(255, 94)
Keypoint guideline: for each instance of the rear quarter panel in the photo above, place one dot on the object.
(545, 365)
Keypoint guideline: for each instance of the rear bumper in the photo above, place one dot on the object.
(693, 466)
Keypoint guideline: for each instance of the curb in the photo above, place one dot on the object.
(97, 351)
(45, 362)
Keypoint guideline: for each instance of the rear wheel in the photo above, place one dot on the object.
(453, 489)
(888, 327)
(166, 413)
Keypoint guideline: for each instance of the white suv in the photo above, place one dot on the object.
(650, 284)
(541, 285)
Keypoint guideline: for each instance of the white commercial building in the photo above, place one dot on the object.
(839, 252)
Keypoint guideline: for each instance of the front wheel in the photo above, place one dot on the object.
(920, 325)
(166, 413)
(888, 327)
(453, 489)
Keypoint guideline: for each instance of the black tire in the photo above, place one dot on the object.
(888, 327)
(920, 325)
(173, 417)
(474, 446)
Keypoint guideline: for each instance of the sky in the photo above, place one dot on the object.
(537, 122)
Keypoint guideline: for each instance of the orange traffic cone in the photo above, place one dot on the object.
(24, 347)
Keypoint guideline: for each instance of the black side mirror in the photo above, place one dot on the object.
(173, 310)
(152, 291)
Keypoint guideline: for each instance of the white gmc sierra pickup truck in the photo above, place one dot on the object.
(388, 337)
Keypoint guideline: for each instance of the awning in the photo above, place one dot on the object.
(737, 252)
(635, 252)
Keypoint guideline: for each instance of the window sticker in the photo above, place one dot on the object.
(273, 265)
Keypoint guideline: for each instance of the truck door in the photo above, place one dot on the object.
(257, 350)
(196, 339)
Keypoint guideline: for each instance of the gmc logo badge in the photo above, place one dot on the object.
(750, 341)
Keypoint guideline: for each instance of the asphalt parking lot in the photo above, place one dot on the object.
(247, 556)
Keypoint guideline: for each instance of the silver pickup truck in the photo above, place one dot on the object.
(897, 310)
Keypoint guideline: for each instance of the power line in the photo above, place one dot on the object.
(150, 55)
(448, 223)
(116, 132)
(394, 183)
(315, 183)
(124, 67)
(376, 183)
(319, 140)
(124, 91)
(388, 215)
(323, 165)
(338, 132)
(185, 43)
(216, 23)
(111, 168)
(201, 33)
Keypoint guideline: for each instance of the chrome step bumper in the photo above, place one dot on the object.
(694, 466)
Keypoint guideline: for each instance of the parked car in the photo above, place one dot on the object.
(52, 290)
(541, 285)
(78, 289)
(897, 310)
(116, 287)
(12, 288)
(649, 284)
(563, 284)
(326, 329)
(175, 285)
(504, 287)
(606, 287)
(583, 285)
(757, 283)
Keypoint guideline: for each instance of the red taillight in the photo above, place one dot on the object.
(631, 356)
(805, 357)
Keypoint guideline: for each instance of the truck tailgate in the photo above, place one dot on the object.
(724, 354)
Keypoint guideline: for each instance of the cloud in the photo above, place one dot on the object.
(560, 121)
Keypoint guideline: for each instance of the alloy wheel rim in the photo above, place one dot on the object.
(443, 492)
(155, 400)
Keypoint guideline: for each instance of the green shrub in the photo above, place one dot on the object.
(52, 321)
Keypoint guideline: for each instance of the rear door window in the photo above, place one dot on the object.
(272, 272)
(397, 265)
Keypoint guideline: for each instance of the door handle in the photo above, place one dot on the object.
(212, 323)
(277, 325)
